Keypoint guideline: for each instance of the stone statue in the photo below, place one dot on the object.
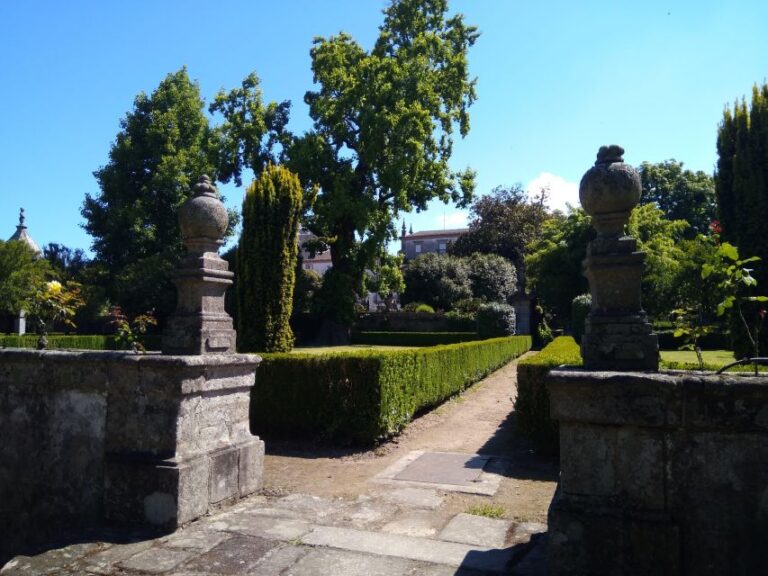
(618, 335)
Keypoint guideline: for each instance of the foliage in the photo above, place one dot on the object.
(382, 136)
(553, 264)
(129, 334)
(436, 279)
(661, 240)
(20, 272)
(361, 397)
(580, 309)
(67, 263)
(307, 286)
(532, 401)
(53, 302)
(504, 222)
(266, 261)
(424, 309)
(735, 283)
(487, 510)
(412, 338)
(741, 179)
(493, 278)
(679, 193)
(387, 281)
(495, 319)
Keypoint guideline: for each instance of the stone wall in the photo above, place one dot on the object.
(660, 474)
(139, 438)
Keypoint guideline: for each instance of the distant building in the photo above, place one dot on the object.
(415, 244)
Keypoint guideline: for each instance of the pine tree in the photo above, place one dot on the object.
(266, 261)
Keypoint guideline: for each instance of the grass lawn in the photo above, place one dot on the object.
(714, 357)
(351, 348)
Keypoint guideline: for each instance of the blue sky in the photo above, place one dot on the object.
(555, 81)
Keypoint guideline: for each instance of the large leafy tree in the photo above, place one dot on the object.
(21, 272)
(439, 280)
(165, 143)
(503, 222)
(681, 194)
(382, 136)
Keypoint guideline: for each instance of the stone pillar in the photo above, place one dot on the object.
(618, 335)
(178, 439)
(200, 324)
(20, 323)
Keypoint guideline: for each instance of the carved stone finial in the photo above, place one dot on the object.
(22, 218)
(200, 325)
(610, 154)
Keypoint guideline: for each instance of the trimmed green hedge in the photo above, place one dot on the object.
(532, 402)
(74, 342)
(412, 338)
(360, 397)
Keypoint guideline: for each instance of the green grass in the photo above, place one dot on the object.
(719, 357)
(487, 510)
(351, 348)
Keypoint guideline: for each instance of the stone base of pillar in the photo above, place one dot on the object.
(660, 473)
(620, 343)
(169, 493)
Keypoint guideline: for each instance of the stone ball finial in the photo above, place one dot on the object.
(609, 190)
(203, 215)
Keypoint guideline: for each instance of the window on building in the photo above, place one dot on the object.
(417, 248)
(442, 246)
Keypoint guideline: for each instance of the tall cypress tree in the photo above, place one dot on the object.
(266, 261)
(741, 185)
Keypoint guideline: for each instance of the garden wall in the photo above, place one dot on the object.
(139, 438)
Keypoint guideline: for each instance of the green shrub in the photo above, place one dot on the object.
(76, 342)
(266, 261)
(532, 402)
(360, 397)
(412, 338)
(580, 307)
(424, 309)
(460, 321)
(495, 320)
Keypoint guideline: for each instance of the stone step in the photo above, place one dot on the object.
(412, 547)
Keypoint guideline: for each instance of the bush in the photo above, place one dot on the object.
(460, 321)
(420, 339)
(532, 402)
(495, 320)
(580, 308)
(360, 397)
(425, 309)
(76, 342)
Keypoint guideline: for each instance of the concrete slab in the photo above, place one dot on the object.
(471, 529)
(420, 523)
(421, 549)
(323, 562)
(233, 556)
(444, 468)
(446, 471)
(156, 560)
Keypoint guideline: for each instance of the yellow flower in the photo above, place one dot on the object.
(53, 287)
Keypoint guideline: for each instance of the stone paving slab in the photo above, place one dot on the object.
(156, 560)
(415, 497)
(232, 557)
(478, 530)
(421, 523)
(327, 561)
(421, 549)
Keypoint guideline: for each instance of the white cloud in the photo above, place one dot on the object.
(561, 192)
(451, 220)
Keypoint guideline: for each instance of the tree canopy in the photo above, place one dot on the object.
(21, 272)
(681, 194)
(382, 135)
(503, 222)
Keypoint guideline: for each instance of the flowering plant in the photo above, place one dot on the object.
(53, 302)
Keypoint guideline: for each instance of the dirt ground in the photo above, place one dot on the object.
(479, 421)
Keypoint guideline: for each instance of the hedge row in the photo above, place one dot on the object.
(74, 342)
(360, 397)
(412, 338)
(532, 402)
